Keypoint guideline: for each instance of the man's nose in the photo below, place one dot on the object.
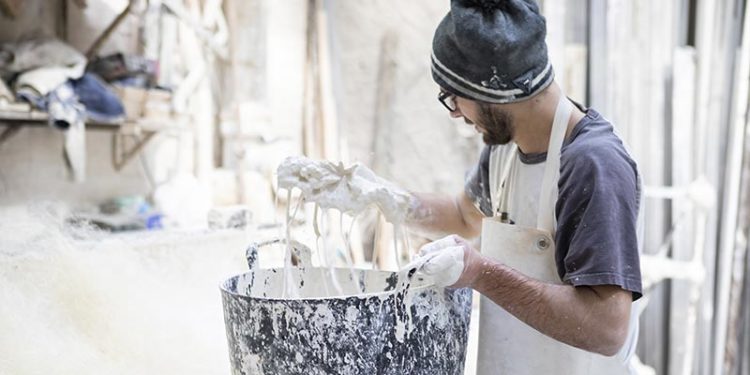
(457, 113)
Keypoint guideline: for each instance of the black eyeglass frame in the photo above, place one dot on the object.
(442, 96)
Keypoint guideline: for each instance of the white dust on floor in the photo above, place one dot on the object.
(135, 304)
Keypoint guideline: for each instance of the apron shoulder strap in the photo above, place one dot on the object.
(548, 196)
(501, 161)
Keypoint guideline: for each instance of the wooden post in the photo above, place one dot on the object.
(382, 157)
(94, 49)
(320, 125)
(733, 244)
(329, 127)
(554, 12)
(308, 104)
(598, 57)
(704, 32)
(682, 175)
(721, 76)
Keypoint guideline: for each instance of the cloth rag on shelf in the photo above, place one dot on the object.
(68, 114)
(69, 106)
(137, 70)
(51, 76)
(102, 105)
(41, 65)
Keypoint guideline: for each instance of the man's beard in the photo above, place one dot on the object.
(497, 125)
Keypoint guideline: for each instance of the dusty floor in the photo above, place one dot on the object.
(85, 302)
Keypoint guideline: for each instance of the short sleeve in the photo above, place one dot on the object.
(477, 186)
(597, 212)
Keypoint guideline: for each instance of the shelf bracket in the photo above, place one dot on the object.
(123, 153)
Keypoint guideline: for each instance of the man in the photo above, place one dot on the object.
(555, 197)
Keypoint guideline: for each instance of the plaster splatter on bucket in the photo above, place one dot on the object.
(301, 319)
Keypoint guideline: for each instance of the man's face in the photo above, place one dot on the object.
(495, 123)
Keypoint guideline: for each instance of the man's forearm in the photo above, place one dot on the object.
(593, 319)
(437, 215)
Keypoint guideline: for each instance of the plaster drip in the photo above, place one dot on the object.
(326, 263)
(349, 190)
(288, 288)
(396, 234)
(348, 252)
(322, 258)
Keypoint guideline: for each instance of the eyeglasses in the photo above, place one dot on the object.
(448, 100)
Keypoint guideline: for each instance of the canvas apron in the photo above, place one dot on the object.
(506, 344)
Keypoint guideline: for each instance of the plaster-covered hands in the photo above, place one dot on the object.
(349, 189)
(451, 262)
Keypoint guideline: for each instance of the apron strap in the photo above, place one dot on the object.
(503, 192)
(548, 195)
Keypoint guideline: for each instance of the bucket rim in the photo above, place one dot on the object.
(223, 287)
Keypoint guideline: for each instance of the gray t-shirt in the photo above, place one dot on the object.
(596, 209)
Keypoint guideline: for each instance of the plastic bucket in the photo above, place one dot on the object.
(393, 325)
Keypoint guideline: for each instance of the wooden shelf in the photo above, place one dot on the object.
(13, 118)
(139, 132)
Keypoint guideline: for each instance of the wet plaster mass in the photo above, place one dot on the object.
(350, 190)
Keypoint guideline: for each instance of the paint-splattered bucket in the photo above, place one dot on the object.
(390, 328)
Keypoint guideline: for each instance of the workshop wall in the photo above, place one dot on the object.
(387, 100)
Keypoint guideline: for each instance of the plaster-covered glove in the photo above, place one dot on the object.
(451, 262)
(349, 189)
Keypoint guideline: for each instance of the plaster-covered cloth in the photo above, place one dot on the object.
(350, 190)
(41, 64)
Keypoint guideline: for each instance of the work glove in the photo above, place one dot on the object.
(350, 189)
(451, 262)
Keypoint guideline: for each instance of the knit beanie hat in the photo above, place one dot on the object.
(492, 51)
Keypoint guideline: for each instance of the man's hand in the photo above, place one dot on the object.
(451, 262)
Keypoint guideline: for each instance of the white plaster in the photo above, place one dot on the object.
(348, 189)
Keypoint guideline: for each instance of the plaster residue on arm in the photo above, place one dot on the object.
(418, 211)
(437, 215)
(349, 189)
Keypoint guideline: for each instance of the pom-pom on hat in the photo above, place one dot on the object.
(492, 51)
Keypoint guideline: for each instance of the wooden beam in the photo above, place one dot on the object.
(734, 225)
(309, 108)
(121, 154)
(554, 12)
(705, 25)
(94, 49)
(385, 93)
(683, 125)
(722, 75)
(598, 57)
(329, 126)
(744, 365)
